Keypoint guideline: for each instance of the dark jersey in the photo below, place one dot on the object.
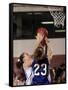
(40, 71)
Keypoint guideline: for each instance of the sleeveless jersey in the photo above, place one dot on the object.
(40, 72)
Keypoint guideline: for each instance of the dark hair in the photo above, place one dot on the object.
(20, 61)
(19, 65)
(38, 54)
(21, 57)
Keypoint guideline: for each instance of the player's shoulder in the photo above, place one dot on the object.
(45, 60)
(33, 62)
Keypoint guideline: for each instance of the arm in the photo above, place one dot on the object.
(49, 52)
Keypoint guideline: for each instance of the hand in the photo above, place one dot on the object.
(39, 38)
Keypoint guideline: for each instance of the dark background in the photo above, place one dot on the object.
(30, 21)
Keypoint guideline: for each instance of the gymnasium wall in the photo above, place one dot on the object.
(57, 45)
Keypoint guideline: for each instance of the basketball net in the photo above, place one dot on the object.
(58, 16)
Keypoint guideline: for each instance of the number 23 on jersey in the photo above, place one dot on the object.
(40, 69)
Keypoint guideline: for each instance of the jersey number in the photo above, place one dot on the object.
(43, 71)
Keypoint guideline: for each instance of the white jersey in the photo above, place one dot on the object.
(29, 76)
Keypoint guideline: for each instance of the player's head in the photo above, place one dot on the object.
(25, 58)
(39, 53)
(42, 34)
(20, 61)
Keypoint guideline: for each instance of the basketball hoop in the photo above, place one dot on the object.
(58, 16)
